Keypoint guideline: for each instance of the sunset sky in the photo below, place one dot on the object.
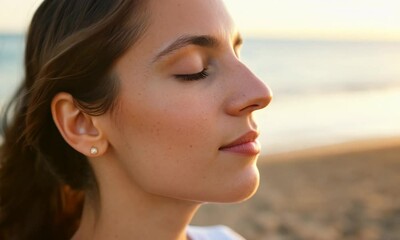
(326, 19)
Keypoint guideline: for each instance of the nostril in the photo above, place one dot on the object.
(258, 98)
(262, 102)
(251, 107)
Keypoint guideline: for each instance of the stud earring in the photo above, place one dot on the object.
(94, 150)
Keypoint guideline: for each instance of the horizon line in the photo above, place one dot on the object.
(282, 37)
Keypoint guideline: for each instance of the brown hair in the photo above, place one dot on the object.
(71, 47)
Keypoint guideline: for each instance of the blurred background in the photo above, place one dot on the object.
(331, 136)
(334, 68)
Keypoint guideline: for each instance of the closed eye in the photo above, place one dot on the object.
(193, 77)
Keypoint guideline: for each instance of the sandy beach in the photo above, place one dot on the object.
(346, 191)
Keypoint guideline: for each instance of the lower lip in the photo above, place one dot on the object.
(249, 148)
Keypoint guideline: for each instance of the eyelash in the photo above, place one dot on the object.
(193, 77)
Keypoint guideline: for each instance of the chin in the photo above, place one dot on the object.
(241, 189)
(233, 189)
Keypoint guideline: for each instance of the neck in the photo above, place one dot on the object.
(123, 211)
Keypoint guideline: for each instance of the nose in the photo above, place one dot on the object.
(248, 93)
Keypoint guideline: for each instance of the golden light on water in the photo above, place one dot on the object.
(328, 19)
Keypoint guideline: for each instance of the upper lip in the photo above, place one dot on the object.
(246, 138)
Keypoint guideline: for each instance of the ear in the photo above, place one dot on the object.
(78, 129)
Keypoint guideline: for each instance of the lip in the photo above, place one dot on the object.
(247, 144)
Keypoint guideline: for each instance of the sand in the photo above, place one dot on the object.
(346, 191)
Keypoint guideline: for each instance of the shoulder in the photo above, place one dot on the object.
(219, 232)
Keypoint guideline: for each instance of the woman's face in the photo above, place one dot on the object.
(183, 125)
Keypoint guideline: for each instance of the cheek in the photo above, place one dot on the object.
(166, 143)
(172, 129)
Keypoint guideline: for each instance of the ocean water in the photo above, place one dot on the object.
(11, 62)
(325, 92)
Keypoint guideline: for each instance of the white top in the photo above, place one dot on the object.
(212, 233)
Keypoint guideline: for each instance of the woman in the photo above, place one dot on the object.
(142, 107)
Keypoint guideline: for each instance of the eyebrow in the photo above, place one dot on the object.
(201, 40)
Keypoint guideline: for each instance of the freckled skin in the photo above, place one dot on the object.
(168, 132)
(164, 149)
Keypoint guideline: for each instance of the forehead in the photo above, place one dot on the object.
(168, 20)
(171, 19)
(191, 16)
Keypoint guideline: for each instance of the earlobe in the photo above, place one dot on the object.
(76, 127)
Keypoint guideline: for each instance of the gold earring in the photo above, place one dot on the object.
(94, 150)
